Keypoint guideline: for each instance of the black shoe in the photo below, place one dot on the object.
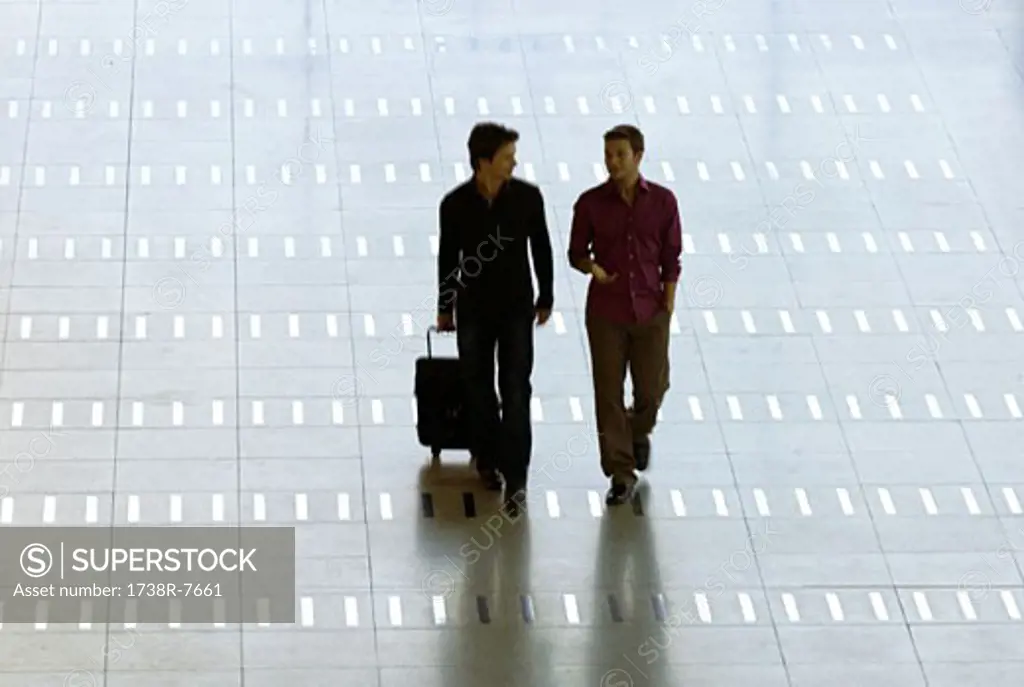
(491, 479)
(515, 498)
(642, 453)
(619, 493)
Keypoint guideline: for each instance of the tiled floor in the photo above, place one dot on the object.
(217, 245)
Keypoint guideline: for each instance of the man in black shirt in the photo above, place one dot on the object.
(484, 278)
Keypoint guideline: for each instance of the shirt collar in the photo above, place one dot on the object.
(642, 185)
(476, 194)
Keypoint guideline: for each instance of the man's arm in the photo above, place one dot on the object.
(671, 249)
(543, 260)
(581, 239)
(447, 259)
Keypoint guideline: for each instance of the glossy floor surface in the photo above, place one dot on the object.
(217, 235)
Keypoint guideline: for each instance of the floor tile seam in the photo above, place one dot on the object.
(832, 393)
(954, 147)
(125, 210)
(676, 337)
(1015, 61)
(19, 204)
(631, 624)
(862, 489)
(991, 229)
(903, 609)
(697, 179)
(734, 494)
(989, 487)
(549, 589)
(484, 499)
(743, 510)
(725, 405)
(751, 159)
(340, 191)
(422, 260)
(237, 340)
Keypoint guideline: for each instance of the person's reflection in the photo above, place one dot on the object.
(521, 655)
(630, 650)
(479, 569)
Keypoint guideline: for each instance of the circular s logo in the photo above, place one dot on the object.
(80, 98)
(437, 8)
(704, 292)
(617, 677)
(346, 390)
(169, 293)
(884, 390)
(616, 97)
(438, 583)
(975, 7)
(36, 560)
(975, 583)
(80, 678)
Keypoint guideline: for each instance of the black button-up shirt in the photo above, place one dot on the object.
(482, 262)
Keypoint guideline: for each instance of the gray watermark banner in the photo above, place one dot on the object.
(147, 575)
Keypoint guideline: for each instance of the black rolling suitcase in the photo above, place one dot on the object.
(440, 422)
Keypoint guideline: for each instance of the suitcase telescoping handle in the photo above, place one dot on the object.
(430, 354)
(434, 329)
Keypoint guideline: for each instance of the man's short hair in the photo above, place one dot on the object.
(486, 139)
(626, 132)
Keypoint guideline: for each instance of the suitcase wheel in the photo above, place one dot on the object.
(435, 452)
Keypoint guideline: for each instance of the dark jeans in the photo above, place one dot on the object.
(499, 440)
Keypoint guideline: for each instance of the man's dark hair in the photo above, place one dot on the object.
(626, 132)
(486, 139)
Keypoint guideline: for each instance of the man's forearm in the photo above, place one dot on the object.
(448, 257)
(669, 289)
(448, 274)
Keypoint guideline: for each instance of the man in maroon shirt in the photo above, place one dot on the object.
(626, 234)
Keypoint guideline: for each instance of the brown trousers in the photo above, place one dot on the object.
(643, 348)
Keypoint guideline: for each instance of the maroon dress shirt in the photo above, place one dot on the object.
(641, 244)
